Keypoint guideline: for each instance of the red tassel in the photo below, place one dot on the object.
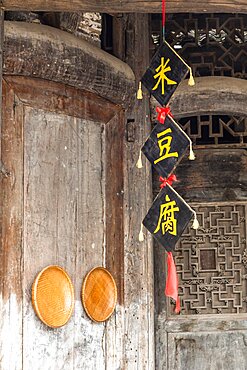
(172, 281)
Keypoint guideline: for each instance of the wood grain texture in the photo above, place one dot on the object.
(11, 251)
(206, 323)
(208, 350)
(60, 98)
(64, 225)
(51, 54)
(138, 257)
(49, 235)
(114, 134)
(65, 196)
(130, 6)
(99, 294)
(198, 182)
(53, 296)
(210, 95)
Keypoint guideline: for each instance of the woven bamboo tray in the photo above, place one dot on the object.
(99, 294)
(53, 296)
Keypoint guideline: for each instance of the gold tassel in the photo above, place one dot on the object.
(141, 235)
(195, 224)
(139, 162)
(192, 156)
(191, 81)
(139, 92)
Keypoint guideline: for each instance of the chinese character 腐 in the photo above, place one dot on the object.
(167, 221)
(164, 143)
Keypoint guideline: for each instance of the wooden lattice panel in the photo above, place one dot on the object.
(212, 261)
(216, 130)
(212, 44)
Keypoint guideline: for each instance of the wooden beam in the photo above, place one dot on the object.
(1, 67)
(127, 6)
(11, 206)
(62, 99)
(138, 264)
(35, 50)
(200, 183)
(210, 95)
(114, 132)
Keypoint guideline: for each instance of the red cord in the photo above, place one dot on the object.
(163, 17)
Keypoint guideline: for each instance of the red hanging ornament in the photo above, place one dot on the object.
(168, 181)
(162, 113)
(171, 289)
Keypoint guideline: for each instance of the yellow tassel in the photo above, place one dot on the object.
(195, 224)
(139, 162)
(191, 81)
(139, 92)
(192, 156)
(141, 235)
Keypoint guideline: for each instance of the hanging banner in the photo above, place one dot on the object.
(168, 217)
(166, 146)
(166, 71)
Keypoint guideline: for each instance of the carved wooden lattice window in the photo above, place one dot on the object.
(217, 130)
(213, 44)
(212, 261)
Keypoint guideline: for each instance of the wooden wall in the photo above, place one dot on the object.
(72, 196)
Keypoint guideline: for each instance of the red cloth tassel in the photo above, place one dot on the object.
(169, 180)
(162, 113)
(172, 281)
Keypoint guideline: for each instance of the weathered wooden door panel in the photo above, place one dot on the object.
(53, 212)
(208, 351)
(64, 225)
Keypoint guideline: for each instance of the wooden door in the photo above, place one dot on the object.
(61, 204)
(211, 331)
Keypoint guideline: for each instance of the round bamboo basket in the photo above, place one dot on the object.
(99, 294)
(53, 296)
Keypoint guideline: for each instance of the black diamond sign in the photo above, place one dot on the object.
(168, 217)
(165, 146)
(164, 73)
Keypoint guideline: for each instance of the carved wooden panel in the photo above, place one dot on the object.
(212, 261)
(213, 44)
(216, 129)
